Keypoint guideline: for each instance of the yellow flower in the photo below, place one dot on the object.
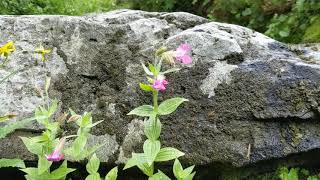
(6, 49)
(42, 51)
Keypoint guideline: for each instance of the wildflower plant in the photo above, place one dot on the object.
(49, 148)
(152, 150)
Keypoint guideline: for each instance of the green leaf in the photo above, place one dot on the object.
(12, 163)
(60, 173)
(136, 159)
(86, 119)
(94, 124)
(7, 129)
(144, 110)
(246, 12)
(190, 177)
(31, 171)
(95, 176)
(159, 176)
(153, 69)
(170, 105)
(151, 129)
(285, 33)
(145, 87)
(93, 164)
(79, 145)
(167, 154)
(112, 174)
(146, 70)
(188, 171)
(146, 168)
(151, 149)
(72, 112)
(171, 70)
(43, 165)
(33, 147)
(177, 169)
(53, 107)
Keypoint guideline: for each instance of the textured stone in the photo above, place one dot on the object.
(245, 89)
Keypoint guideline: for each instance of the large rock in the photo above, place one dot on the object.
(251, 98)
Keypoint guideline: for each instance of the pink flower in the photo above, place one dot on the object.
(57, 153)
(181, 54)
(160, 83)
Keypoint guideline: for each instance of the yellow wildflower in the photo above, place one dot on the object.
(42, 51)
(6, 49)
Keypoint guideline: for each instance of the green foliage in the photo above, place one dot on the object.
(43, 171)
(152, 151)
(285, 174)
(72, 7)
(112, 174)
(12, 163)
(182, 174)
(170, 105)
(159, 176)
(289, 21)
(78, 150)
(144, 110)
(7, 129)
(295, 174)
(93, 167)
(167, 154)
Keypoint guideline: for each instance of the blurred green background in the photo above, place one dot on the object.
(292, 21)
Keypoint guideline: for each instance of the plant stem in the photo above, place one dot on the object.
(155, 101)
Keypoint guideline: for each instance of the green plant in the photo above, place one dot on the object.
(93, 166)
(152, 151)
(295, 174)
(72, 7)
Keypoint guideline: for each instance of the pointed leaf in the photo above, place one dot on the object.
(136, 159)
(60, 173)
(12, 163)
(112, 174)
(168, 153)
(153, 69)
(187, 171)
(94, 124)
(151, 149)
(190, 177)
(170, 105)
(146, 169)
(144, 110)
(151, 129)
(146, 70)
(53, 107)
(177, 169)
(145, 87)
(33, 147)
(43, 165)
(171, 70)
(95, 176)
(93, 164)
(159, 176)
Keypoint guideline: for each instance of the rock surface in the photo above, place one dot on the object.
(251, 98)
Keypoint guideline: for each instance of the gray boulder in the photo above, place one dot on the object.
(251, 98)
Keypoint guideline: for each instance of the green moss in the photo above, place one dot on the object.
(296, 135)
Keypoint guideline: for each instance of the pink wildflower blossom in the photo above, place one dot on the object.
(160, 83)
(57, 153)
(182, 55)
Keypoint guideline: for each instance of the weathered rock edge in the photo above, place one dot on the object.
(245, 89)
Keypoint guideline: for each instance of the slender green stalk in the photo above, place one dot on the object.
(9, 75)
